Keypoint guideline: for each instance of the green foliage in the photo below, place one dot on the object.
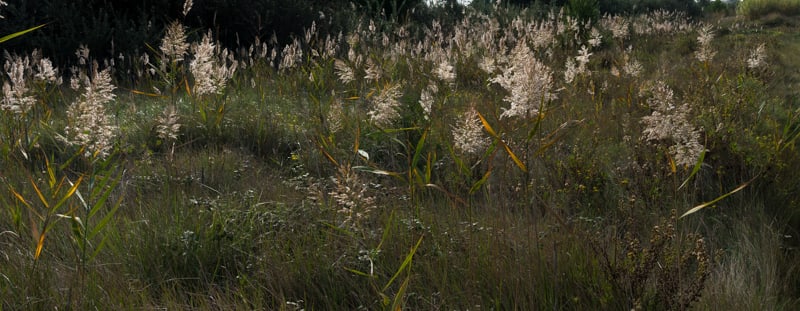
(586, 11)
(754, 9)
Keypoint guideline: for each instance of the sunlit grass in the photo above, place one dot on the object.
(519, 182)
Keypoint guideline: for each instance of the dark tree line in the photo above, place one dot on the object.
(109, 27)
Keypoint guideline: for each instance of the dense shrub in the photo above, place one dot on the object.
(757, 8)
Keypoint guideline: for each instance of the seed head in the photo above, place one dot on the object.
(174, 44)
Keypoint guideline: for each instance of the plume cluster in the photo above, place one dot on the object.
(89, 124)
(669, 124)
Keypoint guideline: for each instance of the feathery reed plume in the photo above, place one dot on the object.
(345, 73)
(618, 25)
(187, 5)
(427, 98)
(528, 81)
(468, 136)
(83, 54)
(446, 72)
(43, 69)
(578, 67)
(374, 72)
(210, 74)
(174, 44)
(350, 194)
(670, 123)
(335, 117)
(595, 38)
(385, 105)
(15, 97)
(662, 22)
(757, 57)
(89, 125)
(291, 55)
(22, 71)
(632, 67)
(168, 126)
(704, 37)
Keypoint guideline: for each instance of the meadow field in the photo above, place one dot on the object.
(496, 159)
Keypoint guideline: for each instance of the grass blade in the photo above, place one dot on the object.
(404, 265)
(39, 193)
(19, 33)
(39, 246)
(491, 132)
(709, 203)
(695, 169)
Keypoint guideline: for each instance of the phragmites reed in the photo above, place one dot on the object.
(210, 74)
(427, 98)
(174, 45)
(446, 72)
(757, 57)
(618, 25)
(22, 71)
(385, 105)
(89, 125)
(15, 92)
(577, 67)
(2, 4)
(168, 126)
(335, 117)
(468, 136)
(670, 123)
(374, 72)
(704, 36)
(345, 73)
(186, 7)
(351, 196)
(291, 55)
(528, 81)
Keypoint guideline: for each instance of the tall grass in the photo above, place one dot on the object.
(500, 162)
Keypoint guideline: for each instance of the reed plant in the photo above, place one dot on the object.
(503, 160)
